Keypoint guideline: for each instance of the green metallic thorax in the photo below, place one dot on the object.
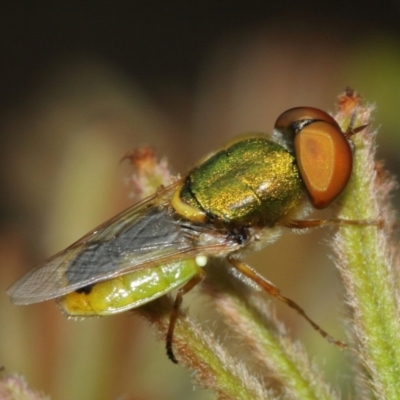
(253, 182)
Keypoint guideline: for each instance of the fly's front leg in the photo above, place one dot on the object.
(315, 223)
(274, 291)
(175, 312)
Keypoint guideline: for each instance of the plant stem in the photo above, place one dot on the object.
(197, 349)
(365, 260)
(284, 364)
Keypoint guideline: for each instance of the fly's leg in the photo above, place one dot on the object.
(175, 312)
(315, 223)
(274, 291)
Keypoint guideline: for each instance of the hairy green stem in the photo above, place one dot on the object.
(198, 350)
(365, 259)
(284, 364)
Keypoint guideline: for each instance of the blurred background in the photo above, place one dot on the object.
(81, 83)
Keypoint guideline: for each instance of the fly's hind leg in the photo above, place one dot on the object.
(175, 312)
(274, 291)
(315, 223)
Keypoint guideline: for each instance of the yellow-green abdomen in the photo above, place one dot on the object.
(130, 290)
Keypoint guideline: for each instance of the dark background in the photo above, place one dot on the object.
(82, 82)
(159, 42)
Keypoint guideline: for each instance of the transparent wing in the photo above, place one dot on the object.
(140, 237)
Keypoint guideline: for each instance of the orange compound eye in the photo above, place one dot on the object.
(323, 153)
(325, 161)
(297, 114)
